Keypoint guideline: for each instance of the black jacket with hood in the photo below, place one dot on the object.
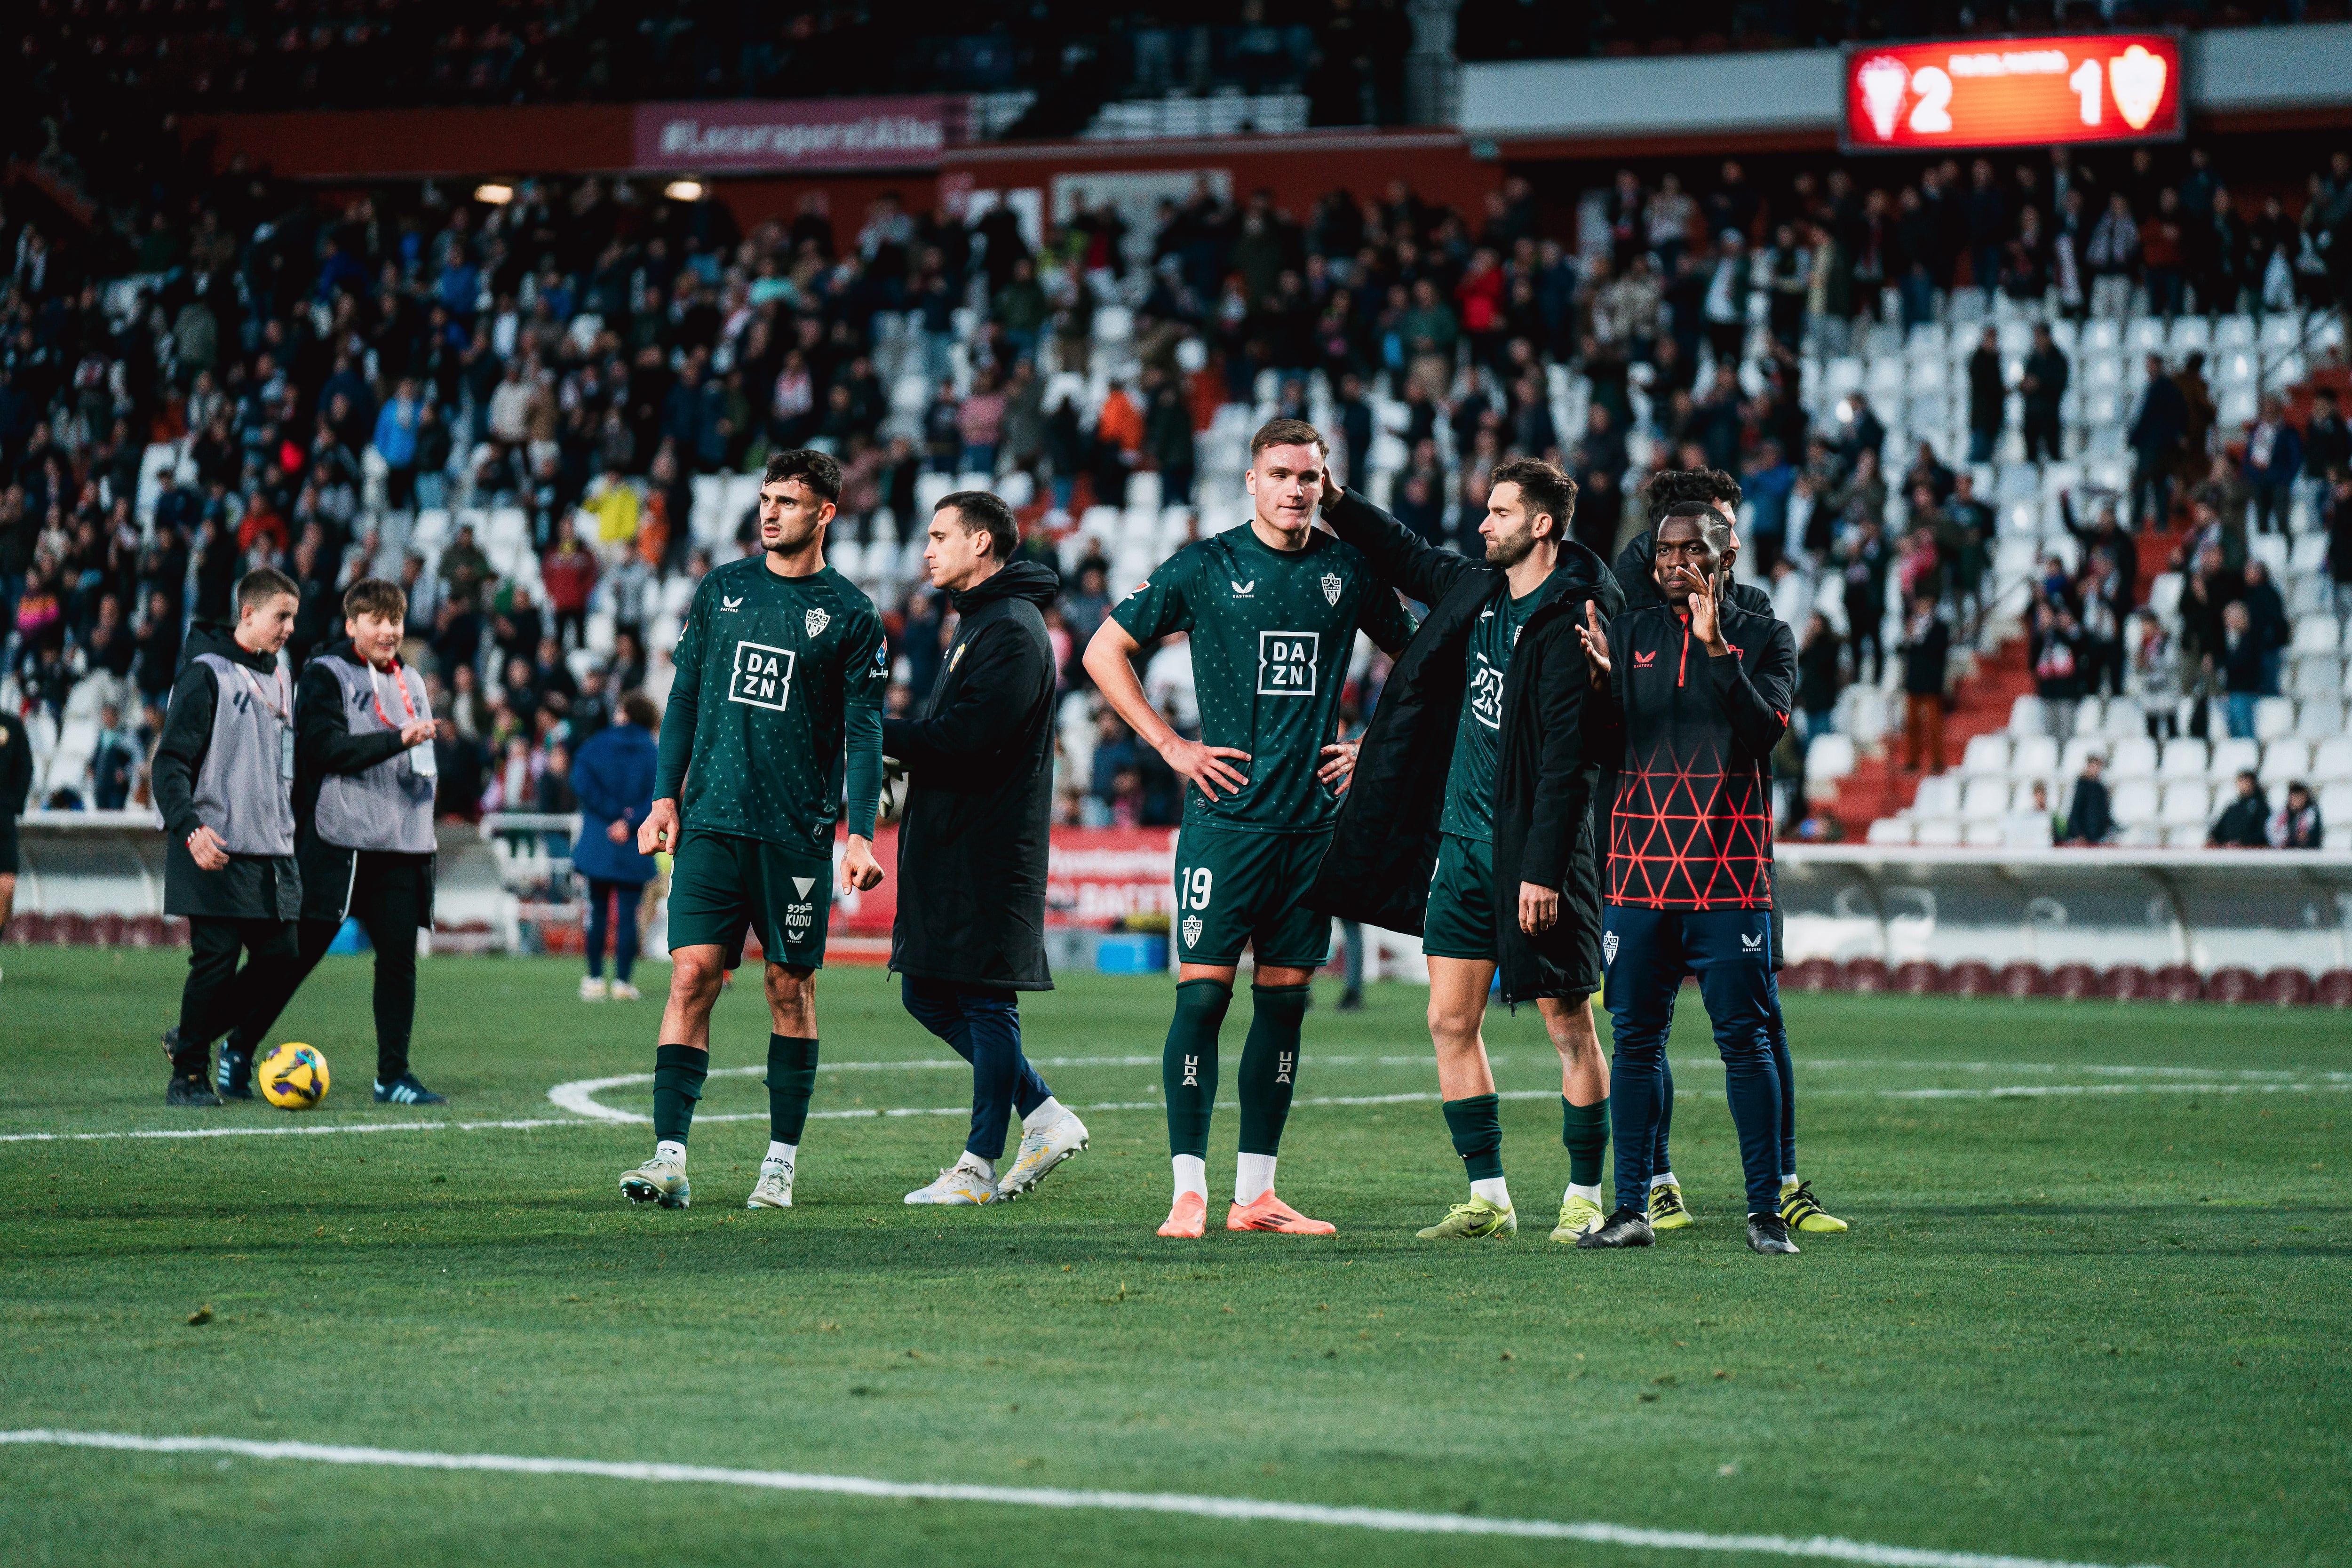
(973, 838)
(1384, 847)
(250, 887)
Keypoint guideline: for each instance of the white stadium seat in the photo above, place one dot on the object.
(2132, 758)
(2232, 757)
(1987, 756)
(2187, 804)
(2183, 759)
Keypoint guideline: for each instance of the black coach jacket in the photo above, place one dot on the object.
(1384, 847)
(972, 840)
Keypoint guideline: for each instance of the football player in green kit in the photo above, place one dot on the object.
(777, 705)
(1273, 608)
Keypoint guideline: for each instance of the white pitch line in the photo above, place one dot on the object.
(1398, 1521)
(629, 1119)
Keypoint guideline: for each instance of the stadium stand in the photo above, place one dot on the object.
(544, 410)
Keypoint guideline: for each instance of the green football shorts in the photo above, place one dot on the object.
(722, 885)
(1236, 889)
(1461, 919)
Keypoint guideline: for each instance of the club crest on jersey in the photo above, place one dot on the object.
(1331, 586)
(816, 621)
(1192, 931)
(1242, 590)
(1609, 948)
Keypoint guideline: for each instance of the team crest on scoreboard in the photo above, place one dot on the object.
(1331, 586)
(816, 621)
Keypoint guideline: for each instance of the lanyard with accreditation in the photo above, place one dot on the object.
(281, 712)
(420, 756)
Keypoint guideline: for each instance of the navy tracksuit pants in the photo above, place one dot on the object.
(981, 1023)
(1648, 951)
(1662, 1160)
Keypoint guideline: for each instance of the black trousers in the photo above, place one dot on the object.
(216, 995)
(392, 895)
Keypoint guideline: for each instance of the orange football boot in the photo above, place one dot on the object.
(1270, 1213)
(1187, 1217)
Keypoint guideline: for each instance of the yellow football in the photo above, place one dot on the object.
(293, 1077)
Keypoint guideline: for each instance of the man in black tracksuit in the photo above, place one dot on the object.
(1469, 819)
(1690, 696)
(363, 790)
(1636, 570)
(973, 843)
(222, 773)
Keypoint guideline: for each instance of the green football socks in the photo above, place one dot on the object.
(791, 1079)
(1476, 1124)
(678, 1072)
(1188, 1065)
(1270, 1065)
(1584, 1128)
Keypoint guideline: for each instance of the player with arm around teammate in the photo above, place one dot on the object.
(776, 705)
(1470, 818)
(1273, 608)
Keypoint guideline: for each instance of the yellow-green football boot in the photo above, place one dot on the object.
(1473, 1221)
(1578, 1216)
(1800, 1212)
(1667, 1211)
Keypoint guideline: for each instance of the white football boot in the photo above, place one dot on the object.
(592, 989)
(775, 1188)
(658, 1181)
(622, 991)
(958, 1184)
(1041, 1151)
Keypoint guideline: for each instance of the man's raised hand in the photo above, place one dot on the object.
(1595, 639)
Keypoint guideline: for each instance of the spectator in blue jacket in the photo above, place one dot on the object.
(614, 777)
(2273, 458)
(395, 443)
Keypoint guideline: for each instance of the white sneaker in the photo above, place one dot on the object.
(775, 1188)
(1041, 1151)
(592, 989)
(957, 1184)
(658, 1181)
(622, 991)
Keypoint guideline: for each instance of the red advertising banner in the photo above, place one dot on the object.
(782, 135)
(2012, 92)
(1094, 877)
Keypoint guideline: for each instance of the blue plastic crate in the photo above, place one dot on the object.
(1140, 953)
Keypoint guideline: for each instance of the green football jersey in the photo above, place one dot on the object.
(1470, 781)
(1271, 635)
(767, 667)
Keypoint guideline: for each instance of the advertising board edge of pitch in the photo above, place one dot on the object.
(2174, 94)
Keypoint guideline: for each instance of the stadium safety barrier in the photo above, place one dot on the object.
(2224, 925)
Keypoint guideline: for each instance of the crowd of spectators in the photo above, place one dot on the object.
(329, 374)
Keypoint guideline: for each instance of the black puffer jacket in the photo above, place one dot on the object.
(972, 841)
(1385, 844)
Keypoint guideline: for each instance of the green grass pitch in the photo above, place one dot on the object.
(2105, 1321)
